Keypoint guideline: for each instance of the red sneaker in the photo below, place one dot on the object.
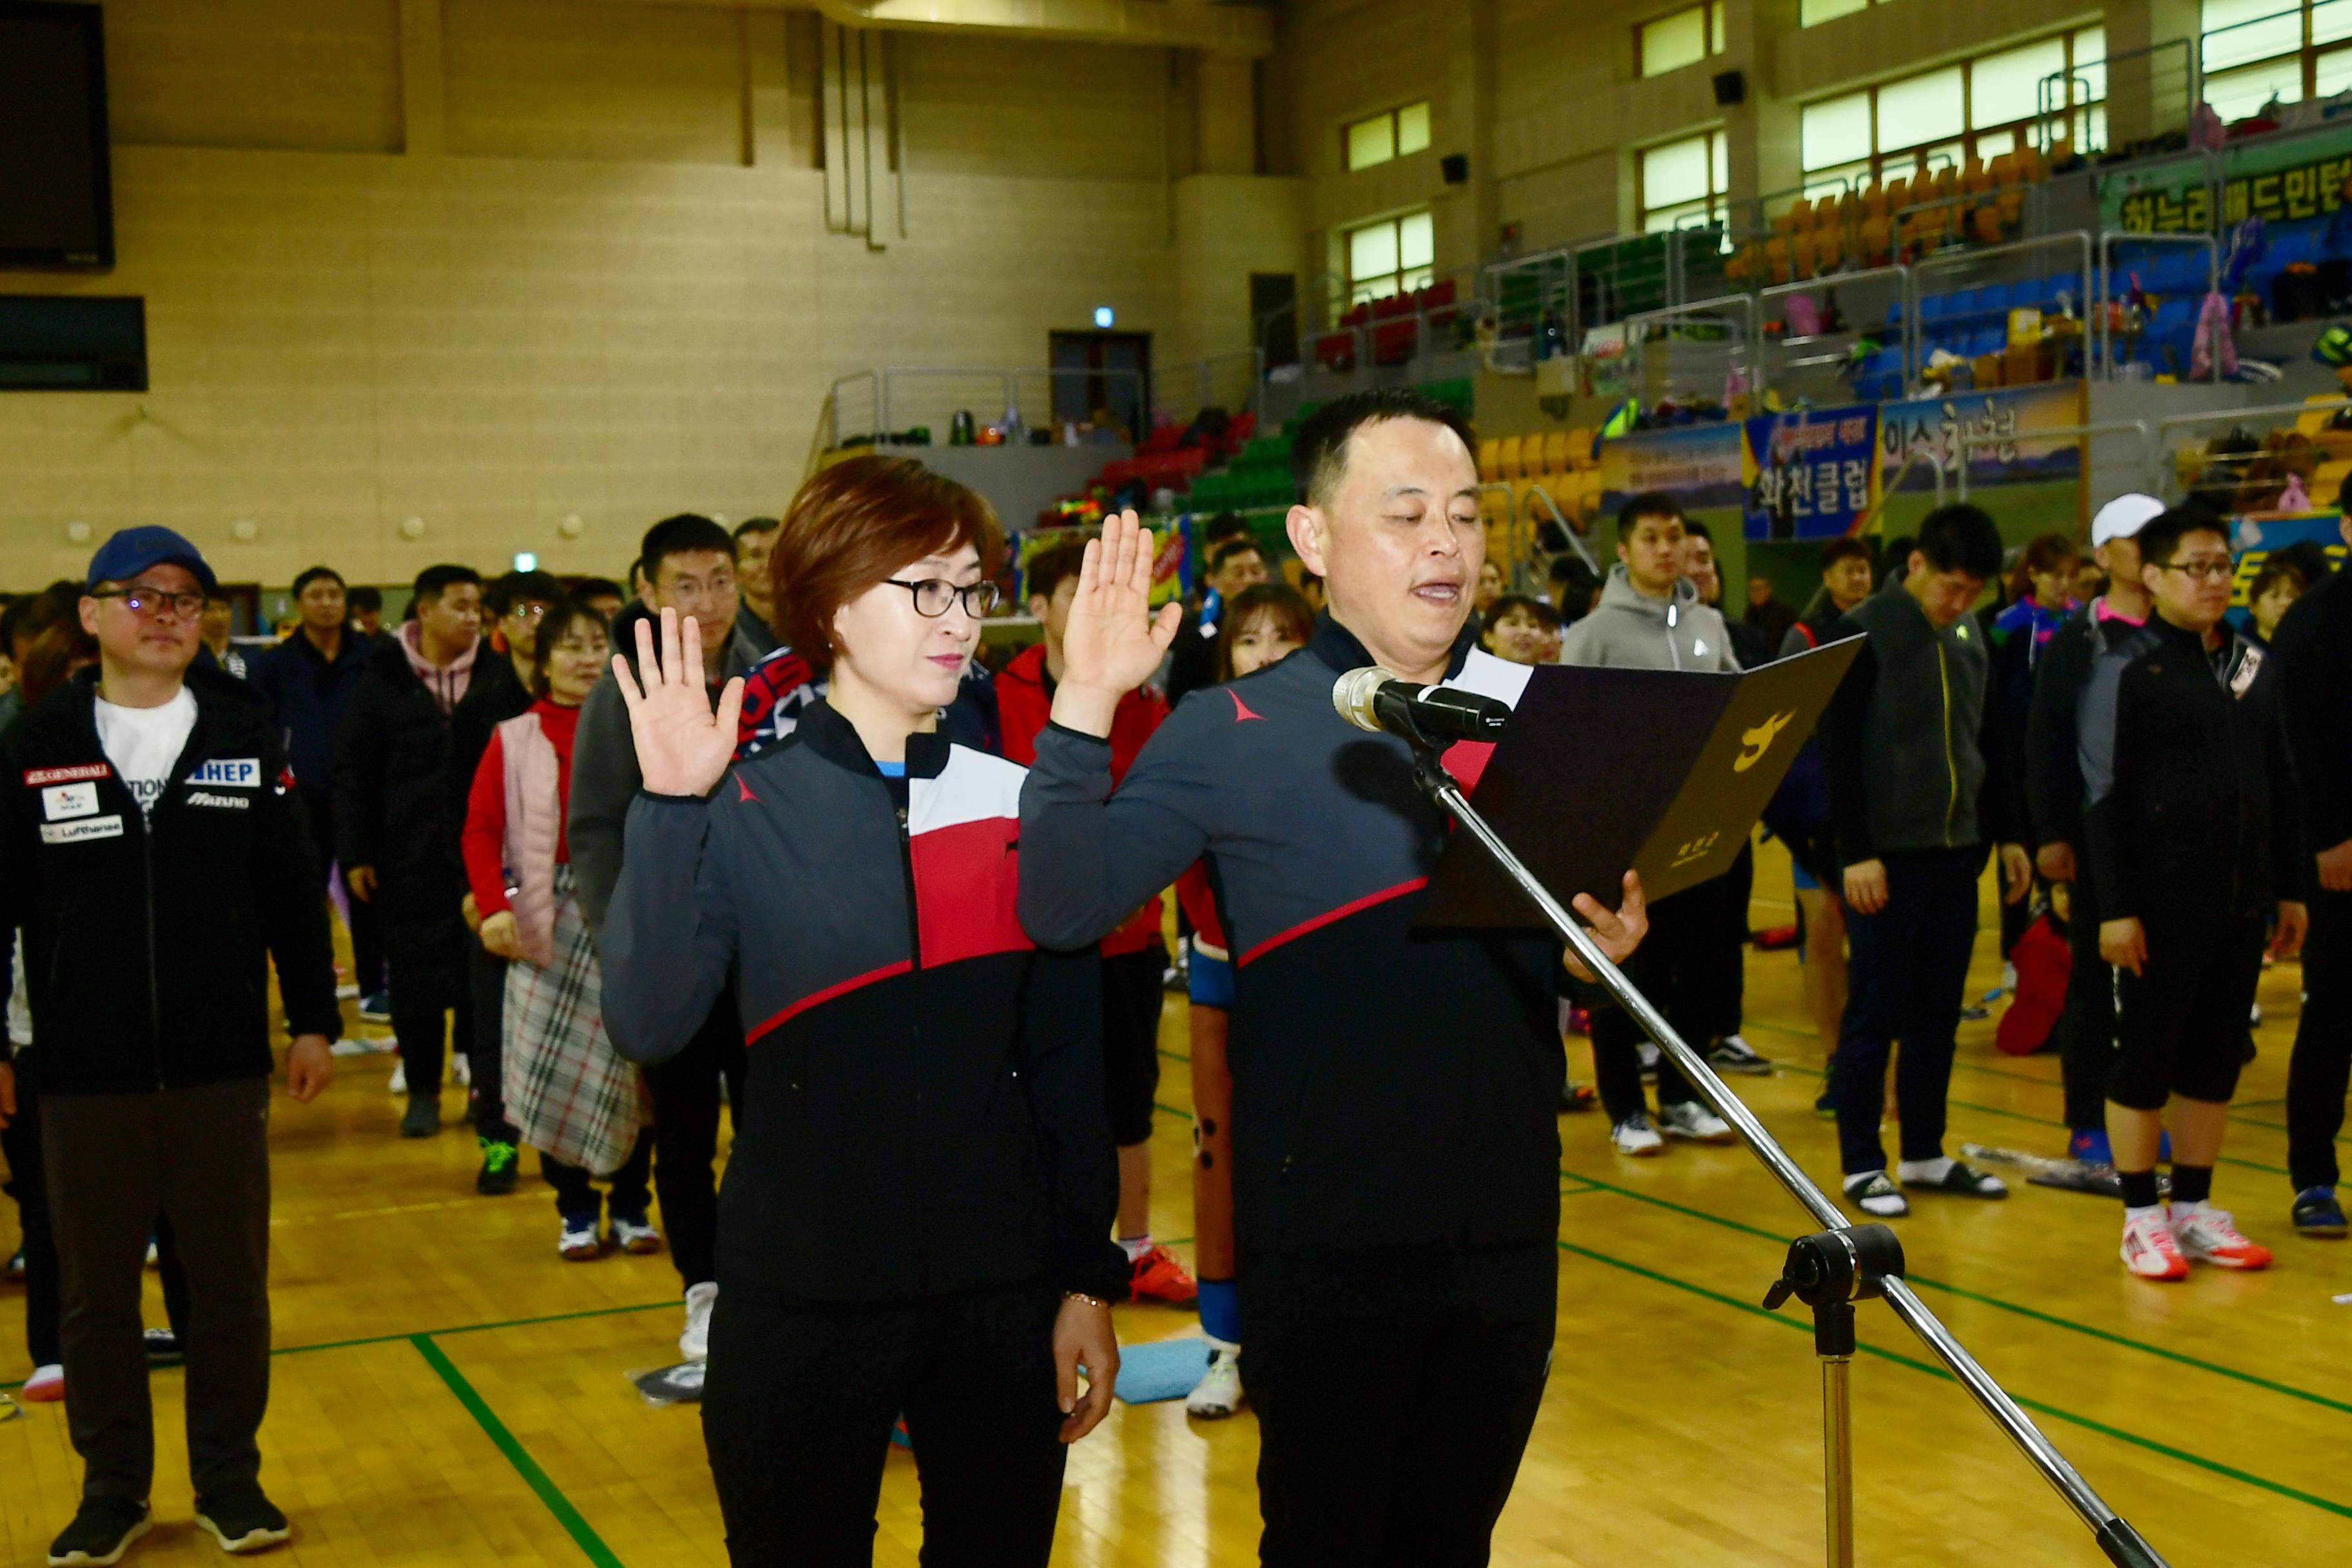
(46, 1386)
(1159, 1276)
(2208, 1235)
(2149, 1250)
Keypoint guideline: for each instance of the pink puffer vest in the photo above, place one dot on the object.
(534, 824)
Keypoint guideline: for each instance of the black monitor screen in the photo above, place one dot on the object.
(56, 205)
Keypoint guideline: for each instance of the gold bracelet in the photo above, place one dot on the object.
(1089, 1300)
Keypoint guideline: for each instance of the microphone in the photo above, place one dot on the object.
(1374, 698)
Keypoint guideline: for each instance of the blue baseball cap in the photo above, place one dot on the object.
(131, 551)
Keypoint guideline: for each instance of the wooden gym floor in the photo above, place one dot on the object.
(447, 1391)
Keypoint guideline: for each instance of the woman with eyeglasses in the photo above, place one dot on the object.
(916, 1212)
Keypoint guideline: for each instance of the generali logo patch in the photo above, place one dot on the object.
(38, 776)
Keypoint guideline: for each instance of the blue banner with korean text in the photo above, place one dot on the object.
(1811, 474)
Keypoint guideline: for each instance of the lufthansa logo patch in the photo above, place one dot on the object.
(228, 773)
(206, 797)
(87, 827)
(59, 801)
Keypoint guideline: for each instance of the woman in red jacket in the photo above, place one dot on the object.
(574, 1098)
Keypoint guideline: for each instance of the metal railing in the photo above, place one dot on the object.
(1902, 471)
(2102, 338)
(1227, 381)
(1967, 443)
(1569, 529)
(1900, 273)
(876, 425)
(1670, 317)
(2079, 240)
(2167, 461)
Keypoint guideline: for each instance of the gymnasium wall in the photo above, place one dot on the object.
(495, 264)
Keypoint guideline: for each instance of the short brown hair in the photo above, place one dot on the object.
(856, 523)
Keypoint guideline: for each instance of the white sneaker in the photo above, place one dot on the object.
(695, 1343)
(1649, 1055)
(1636, 1136)
(1733, 1054)
(46, 1386)
(2208, 1235)
(461, 1070)
(2149, 1249)
(1875, 1195)
(2255, 1019)
(1219, 1392)
(2008, 978)
(399, 1078)
(1689, 1119)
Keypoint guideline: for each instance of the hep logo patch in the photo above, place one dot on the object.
(228, 772)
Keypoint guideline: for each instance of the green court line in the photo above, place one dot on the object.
(2236, 1112)
(1172, 1111)
(1585, 1185)
(1173, 1056)
(590, 1543)
(2178, 1358)
(2038, 1408)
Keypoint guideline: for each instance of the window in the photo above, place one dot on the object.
(1980, 108)
(2257, 50)
(1684, 183)
(1393, 256)
(1390, 135)
(1681, 38)
(1813, 13)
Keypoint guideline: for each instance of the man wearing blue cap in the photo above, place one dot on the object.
(130, 791)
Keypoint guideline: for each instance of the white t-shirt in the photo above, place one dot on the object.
(144, 742)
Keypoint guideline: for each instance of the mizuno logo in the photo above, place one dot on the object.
(1758, 740)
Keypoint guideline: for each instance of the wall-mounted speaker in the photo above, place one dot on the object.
(1730, 88)
(1455, 167)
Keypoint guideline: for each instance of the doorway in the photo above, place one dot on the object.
(1102, 372)
(1273, 316)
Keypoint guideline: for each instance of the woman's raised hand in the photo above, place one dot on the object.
(1113, 642)
(683, 748)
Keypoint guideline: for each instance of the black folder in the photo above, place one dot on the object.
(1664, 771)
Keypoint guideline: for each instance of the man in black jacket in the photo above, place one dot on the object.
(154, 856)
(397, 821)
(2192, 843)
(1916, 792)
(2313, 649)
(1394, 1095)
(2053, 791)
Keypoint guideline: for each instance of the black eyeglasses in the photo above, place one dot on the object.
(144, 601)
(932, 596)
(2210, 571)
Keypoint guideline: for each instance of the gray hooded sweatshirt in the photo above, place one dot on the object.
(1632, 630)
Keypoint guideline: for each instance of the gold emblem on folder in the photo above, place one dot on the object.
(1759, 740)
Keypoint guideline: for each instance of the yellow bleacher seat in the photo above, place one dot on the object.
(1509, 465)
(1579, 447)
(1776, 257)
(1490, 459)
(1976, 179)
(2328, 483)
(2004, 169)
(1873, 201)
(1806, 258)
(1555, 452)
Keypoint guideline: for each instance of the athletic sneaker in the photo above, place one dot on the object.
(1825, 1105)
(1732, 1054)
(1649, 1054)
(2254, 1018)
(461, 1070)
(399, 1082)
(1876, 1195)
(2206, 1234)
(2150, 1250)
(1689, 1119)
(155, 1257)
(101, 1531)
(1159, 1276)
(636, 1235)
(423, 1117)
(376, 1008)
(164, 1347)
(1219, 1392)
(1574, 1096)
(46, 1386)
(2089, 1145)
(1636, 1136)
(2317, 1213)
(1958, 1177)
(241, 1518)
(579, 1241)
(16, 1266)
(695, 1343)
(499, 1166)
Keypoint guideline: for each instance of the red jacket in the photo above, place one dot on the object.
(1024, 703)
(484, 840)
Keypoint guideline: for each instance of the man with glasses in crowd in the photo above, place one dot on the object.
(153, 852)
(689, 566)
(755, 538)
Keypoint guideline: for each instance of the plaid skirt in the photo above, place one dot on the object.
(568, 1091)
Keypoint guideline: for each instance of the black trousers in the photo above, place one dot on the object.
(1675, 967)
(2318, 1073)
(1390, 1423)
(575, 1192)
(1715, 970)
(200, 1156)
(685, 1136)
(798, 1408)
(424, 993)
(2086, 1025)
(486, 975)
(20, 1140)
(367, 934)
(1909, 970)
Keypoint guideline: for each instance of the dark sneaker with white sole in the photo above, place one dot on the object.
(101, 1532)
(242, 1520)
(1732, 1054)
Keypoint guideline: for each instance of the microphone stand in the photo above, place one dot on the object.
(1830, 1270)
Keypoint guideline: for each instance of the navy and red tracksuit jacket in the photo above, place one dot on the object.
(1025, 706)
(926, 1112)
(1392, 1089)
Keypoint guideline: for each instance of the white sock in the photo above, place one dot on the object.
(2132, 1214)
(1225, 1345)
(1137, 1246)
(2184, 1211)
(1859, 1180)
(1934, 1170)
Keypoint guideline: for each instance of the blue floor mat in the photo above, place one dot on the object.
(1162, 1369)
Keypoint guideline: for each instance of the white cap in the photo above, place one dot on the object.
(2124, 517)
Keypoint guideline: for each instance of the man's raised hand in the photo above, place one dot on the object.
(683, 748)
(1113, 642)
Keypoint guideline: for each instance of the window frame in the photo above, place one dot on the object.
(1909, 160)
(1361, 291)
(1394, 114)
(1718, 194)
(1711, 27)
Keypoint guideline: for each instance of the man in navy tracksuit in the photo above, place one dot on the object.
(1394, 1093)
